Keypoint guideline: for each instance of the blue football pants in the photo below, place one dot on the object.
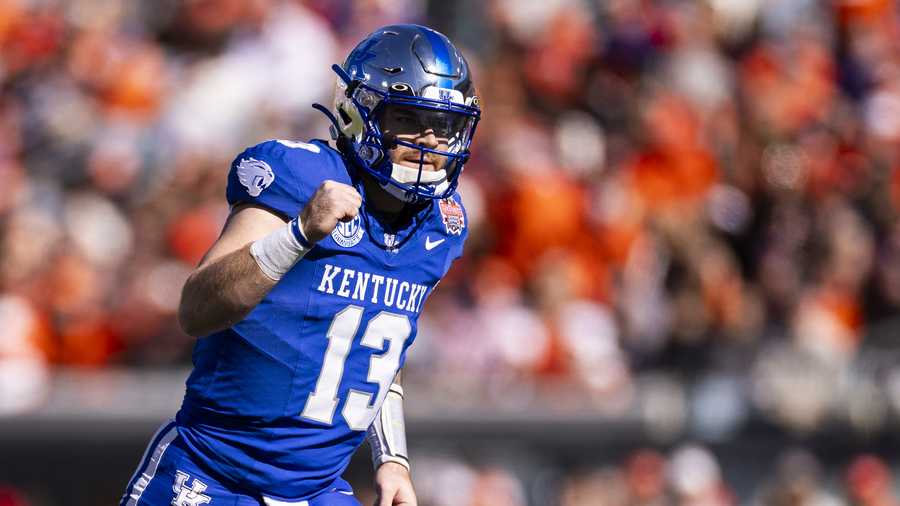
(166, 476)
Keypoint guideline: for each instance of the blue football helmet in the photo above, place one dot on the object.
(419, 71)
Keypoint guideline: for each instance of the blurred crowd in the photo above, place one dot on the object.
(690, 475)
(687, 209)
(684, 211)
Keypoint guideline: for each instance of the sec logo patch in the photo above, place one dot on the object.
(348, 234)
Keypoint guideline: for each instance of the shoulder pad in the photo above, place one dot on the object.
(280, 175)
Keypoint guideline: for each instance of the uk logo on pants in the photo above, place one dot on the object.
(188, 496)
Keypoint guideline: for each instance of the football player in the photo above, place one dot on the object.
(307, 302)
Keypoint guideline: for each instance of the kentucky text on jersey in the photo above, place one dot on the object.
(397, 294)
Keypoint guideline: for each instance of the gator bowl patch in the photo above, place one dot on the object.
(452, 213)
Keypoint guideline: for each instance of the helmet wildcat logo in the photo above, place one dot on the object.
(255, 175)
(348, 234)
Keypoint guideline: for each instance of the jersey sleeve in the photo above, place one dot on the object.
(265, 176)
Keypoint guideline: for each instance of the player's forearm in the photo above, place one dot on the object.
(222, 293)
(387, 434)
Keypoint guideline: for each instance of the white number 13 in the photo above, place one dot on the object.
(359, 411)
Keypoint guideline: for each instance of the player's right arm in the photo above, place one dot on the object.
(228, 283)
(255, 248)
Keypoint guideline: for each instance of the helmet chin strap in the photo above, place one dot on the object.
(408, 175)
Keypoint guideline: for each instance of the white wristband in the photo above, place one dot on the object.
(387, 434)
(277, 252)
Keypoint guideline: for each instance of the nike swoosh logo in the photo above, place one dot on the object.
(431, 245)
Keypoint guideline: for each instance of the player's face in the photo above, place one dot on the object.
(430, 129)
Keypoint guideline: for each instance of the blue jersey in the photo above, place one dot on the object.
(278, 403)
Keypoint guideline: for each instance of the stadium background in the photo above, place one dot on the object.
(682, 283)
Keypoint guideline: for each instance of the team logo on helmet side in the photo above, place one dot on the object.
(452, 213)
(348, 234)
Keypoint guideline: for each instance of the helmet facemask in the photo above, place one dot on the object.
(370, 123)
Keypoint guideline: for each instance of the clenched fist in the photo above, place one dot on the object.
(331, 203)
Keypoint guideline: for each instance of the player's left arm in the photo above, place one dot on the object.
(387, 439)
